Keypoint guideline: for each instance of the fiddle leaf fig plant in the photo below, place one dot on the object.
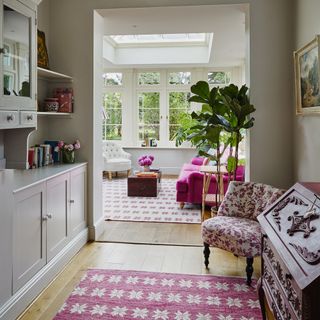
(220, 124)
(236, 120)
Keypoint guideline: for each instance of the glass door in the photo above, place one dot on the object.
(18, 57)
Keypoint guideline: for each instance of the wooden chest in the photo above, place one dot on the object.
(144, 186)
(290, 277)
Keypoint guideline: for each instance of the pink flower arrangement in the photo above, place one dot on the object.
(69, 146)
(145, 160)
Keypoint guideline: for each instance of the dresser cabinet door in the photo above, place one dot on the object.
(29, 232)
(57, 214)
(78, 203)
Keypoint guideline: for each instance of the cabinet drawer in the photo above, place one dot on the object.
(9, 119)
(282, 276)
(28, 118)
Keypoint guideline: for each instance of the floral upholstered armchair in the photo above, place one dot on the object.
(235, 227)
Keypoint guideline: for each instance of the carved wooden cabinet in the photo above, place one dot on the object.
(290, 279)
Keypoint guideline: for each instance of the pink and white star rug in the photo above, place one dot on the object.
(164, 208)
(128, 295)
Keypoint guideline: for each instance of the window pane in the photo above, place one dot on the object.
(175, 115)
(149, 132)
(179, 100)
(114, 116)
(149, 78)
(149, 100)
(178, 106)
(179, 78)
(219, 77)
(112, 125)
(149, 116)
(112, 100)
(112, 79)
(113, 132)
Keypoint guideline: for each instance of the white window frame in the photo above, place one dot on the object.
(130, 105)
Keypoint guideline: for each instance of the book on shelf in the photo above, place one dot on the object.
(42, 155)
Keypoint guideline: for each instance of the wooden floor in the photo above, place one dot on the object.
(156, 258)
(184, 258)
(152, 233)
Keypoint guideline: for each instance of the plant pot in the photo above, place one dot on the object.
(68, 156)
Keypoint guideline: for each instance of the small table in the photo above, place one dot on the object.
(217, 197)
(144, 186)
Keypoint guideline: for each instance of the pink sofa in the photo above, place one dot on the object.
(190, 182)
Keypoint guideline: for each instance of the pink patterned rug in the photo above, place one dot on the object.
(120, 294)
(164, 208)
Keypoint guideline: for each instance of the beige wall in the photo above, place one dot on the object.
(306, 128)
(271, 39)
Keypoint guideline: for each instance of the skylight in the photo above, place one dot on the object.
(160, 38)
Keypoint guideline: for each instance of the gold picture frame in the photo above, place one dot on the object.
(307, 78)
(43, 58)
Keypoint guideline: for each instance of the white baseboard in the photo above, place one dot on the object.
(97, 230)
(24, 296)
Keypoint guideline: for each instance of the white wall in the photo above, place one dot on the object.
(306, 128)
(169, 161)
(1, 149)
(71, 50)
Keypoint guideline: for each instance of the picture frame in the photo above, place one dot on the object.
(307, 78)
(43, 58)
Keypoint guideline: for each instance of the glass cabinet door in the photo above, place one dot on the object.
(17, 56)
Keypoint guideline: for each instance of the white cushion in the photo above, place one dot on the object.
(119, 164)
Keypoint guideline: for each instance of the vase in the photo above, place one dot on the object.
(146, 168)
(68, 156)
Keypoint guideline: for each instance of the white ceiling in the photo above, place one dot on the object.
(226, 22)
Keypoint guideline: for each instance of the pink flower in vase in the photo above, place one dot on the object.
(145, 160)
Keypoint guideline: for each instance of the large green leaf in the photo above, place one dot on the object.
(206, 109)
(249, 124)
(231, 164)
(198, 99)
(213, 134)
(201, 88)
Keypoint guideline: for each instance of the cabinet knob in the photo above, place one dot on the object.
(3, 50)
(10, 117)
(44, 218)
(49, 215)
(71, 201)
(29, 117)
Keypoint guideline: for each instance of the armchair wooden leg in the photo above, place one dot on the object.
(110, 175)
(249, 270)
(206, 253)
(181, 205)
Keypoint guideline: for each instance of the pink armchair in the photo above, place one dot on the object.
(235, 227)
(190, 182)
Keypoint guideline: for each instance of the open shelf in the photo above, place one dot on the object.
(54, 114)
(52, 75)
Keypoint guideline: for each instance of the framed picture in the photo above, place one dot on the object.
(307, 76)
(43, 58)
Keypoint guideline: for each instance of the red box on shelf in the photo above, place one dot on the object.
(65, 98)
